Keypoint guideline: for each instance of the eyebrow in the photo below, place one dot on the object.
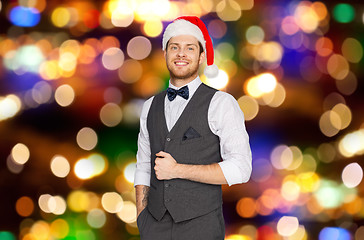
(189, 44)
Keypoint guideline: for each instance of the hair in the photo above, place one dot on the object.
(199, 44)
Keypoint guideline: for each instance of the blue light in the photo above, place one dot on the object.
(24, 17)
(334, 233)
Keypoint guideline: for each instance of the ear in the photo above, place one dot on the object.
(202, 58)
(165, 54)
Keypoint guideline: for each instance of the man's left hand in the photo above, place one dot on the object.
(165, 166)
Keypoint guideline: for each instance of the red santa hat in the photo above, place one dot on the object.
(191, 25)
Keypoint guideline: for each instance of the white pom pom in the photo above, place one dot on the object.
(211, 71)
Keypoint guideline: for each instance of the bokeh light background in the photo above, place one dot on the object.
(74, 76)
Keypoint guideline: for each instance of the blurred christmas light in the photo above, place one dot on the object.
(306, 18)
(112, 202)
(112, 95)
(352, 144)
(153, 28)
(87, 138)
(255, 35)
(352, 175)
(64, 95)
(111, 114)
(113, 58)
(352, 50)
(287, 226)
(218, 82)
(217, 28)
(246, 207)
(27, 58)
(20, 153)
(228, 10)
(59, 228)
(130, 71)
(334, 233)
(24, 17)
(249, 106)
(4, 235)
(60, 166)
(343, 13)
(260, 84)
(10, 105)
(128, 213)
(96, 218)
(139, 48)
(24, 206)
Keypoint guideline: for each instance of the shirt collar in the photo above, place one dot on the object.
(192, 86)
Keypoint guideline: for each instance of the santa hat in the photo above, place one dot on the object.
(191, 25)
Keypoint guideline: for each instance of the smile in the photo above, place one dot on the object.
(181, 63)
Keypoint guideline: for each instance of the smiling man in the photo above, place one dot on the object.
(192, 140)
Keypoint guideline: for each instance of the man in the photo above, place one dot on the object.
(185, 131)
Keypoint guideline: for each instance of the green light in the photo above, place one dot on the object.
(344, 13)
(7, 236)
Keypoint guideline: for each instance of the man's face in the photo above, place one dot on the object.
(183, 57)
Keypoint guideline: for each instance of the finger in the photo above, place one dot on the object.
(162, 154)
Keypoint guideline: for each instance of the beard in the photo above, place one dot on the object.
(182, 74)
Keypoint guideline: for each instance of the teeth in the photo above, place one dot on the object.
(181, 63)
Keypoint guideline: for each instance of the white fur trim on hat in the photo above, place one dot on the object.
(211, 71)
(182, 27)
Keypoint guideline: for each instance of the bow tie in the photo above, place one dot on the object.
(172, 93)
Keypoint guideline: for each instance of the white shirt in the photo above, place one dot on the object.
(225, 119)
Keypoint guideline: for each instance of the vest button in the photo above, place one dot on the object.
(166, 185)
(167, 200)
(168, 139)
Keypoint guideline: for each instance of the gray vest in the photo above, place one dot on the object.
(190, 141)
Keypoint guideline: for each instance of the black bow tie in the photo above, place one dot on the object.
(172, 93)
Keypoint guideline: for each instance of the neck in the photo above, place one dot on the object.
(179, 82)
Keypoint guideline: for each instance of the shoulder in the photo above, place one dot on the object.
(221, 97)
(146, 107)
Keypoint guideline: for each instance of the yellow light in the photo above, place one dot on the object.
(308, 182)
(60, 17)
(290, 190)
(261, 84)
(153, 28)
(249, 106)
(41, 230)
(228, 10)
(60, 166)
(128, 213)
(9, 106)
(112, 202)
(306, 18)
(20, 153)
(237, 237)
(59, 228)
(129, 172)
(352, 144)
(218, 82)
(64, 95)
(78, 201)
(49, 70)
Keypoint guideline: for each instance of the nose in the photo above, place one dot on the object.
(181, 53)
